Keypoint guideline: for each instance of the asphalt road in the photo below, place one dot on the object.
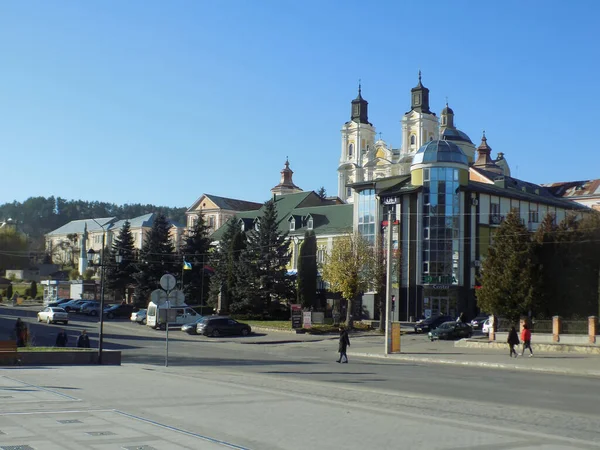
(543, 404)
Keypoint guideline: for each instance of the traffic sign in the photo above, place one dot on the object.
(158, 297)
(168, 282)
(176, 297)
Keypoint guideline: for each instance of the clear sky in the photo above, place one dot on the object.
(144, 101)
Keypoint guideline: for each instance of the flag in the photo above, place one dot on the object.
(187, 265)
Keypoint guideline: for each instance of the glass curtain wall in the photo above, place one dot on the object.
(441, 211)
(366, 214)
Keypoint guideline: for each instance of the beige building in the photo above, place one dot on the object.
(217, 210)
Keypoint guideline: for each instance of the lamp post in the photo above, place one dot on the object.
(91, 254)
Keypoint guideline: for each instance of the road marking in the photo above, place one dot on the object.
(43, 389)
(66, 411)
(179, 430)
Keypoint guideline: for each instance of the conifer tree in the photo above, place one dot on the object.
(307, 271)
(195, 253)
(120, 276)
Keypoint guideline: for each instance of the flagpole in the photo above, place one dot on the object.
(182, 271)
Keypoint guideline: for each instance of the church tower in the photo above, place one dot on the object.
(358, 139)
(419, 125)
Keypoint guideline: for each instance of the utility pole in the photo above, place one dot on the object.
(388, 285)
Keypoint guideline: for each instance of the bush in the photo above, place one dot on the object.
(204, 310)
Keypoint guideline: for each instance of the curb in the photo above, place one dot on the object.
(487, 365)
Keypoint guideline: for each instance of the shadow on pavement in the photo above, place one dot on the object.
(199, 361)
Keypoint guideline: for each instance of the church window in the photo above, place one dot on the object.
(350, 150)
(412, 139)
(443, 120)
(348, 192)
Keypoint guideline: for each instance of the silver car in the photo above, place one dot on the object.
(90, 308)
(53, 314)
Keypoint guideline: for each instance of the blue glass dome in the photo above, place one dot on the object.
(452, 134)
(440, 151)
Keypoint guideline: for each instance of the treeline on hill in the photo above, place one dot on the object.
(37, 216)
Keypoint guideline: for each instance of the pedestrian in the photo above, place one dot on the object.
(83, 341)
(526, 338)
(344, 344)
(20, 332)
(462, 318)
(513, 339)
(61, 339)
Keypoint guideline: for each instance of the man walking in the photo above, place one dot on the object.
(526, 338)
(343, 345)
(513, 339)
(20, 328)
(61, 339)
(83, 341)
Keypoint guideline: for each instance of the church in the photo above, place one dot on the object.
(364, 158)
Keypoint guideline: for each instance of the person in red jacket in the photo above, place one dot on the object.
(526, 339)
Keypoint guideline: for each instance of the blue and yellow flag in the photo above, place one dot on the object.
(187, 265)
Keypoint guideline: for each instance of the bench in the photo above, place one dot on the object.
(8, 352)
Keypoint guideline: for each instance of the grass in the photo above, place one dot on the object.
(276, 324)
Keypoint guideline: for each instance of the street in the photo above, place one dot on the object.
(294, 395)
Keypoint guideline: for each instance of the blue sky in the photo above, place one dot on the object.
(145, 101)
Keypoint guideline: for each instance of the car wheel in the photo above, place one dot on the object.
(144, 322)
(93, 313)
(110, 316)
(215, 333)
(469, 335)
(48, 321)
(245, 331)
(39, 318)
(162, 326)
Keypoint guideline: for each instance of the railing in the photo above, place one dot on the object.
(574, 327)
(542, 326)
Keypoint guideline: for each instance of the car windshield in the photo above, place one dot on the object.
(58, 310)
(447, 325)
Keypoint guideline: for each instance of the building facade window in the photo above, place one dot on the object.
(321, 255)
(350, 150)
(211, 221)
(292, 225)
(348, 192)
(412, 140)
(366, 214)
(310, 224)
(533, 217)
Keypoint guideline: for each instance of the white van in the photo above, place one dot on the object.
(156, 316)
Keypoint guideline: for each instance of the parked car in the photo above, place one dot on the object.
(90, 308)
(485, 328)
(478, 321)
(220, 326)
(425, 325)
(122, 310)
(139, 316)
(192, 328)
(53, 314)
(451, 330)
(60, 302)
(73, 305)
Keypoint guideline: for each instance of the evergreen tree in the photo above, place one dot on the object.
(9, 291)
(548, 272)
(33, 289)
(156, 259)
(224, 260)
(322, 193)
(307, 271)
(120, 276)
(195, 252)
(508, 273)
(263, 264)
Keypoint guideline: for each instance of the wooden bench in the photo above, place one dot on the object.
(8, 352)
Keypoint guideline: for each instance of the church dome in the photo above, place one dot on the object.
(447, 110)
(452, 134)
(441, 151)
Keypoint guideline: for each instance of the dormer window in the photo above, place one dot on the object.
(310, 223)
(257, 225)
(292, 224)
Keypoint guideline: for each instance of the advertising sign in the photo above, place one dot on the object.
(307, 319)
(296, 316)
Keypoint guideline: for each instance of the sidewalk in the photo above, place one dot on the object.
(417, 348)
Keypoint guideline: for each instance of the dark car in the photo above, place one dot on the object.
(451, 330)
(73, 305)
(425, 325)
(60, 302)
(122, 310)
(477, 322)
(222, 326)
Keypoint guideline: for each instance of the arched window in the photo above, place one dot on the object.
(350, 150)
(412, 139)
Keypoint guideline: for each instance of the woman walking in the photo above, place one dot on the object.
(344, 343)
(513, 339)
(526, 338)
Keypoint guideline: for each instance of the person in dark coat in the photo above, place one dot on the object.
(513, 339)
(344, 343)
(20, 332)
(62, 339)
(83, 341)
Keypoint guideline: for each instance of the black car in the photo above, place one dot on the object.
(425, 325)
(221, 326)
(122, 310)
(451, 330)
(60, 301)
(477, 322)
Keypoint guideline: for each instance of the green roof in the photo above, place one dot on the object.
(326, 218)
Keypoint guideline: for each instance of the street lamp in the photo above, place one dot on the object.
(100, 261)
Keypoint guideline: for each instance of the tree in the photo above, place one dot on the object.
(14, 250)
(349, 269)
(195, 252)
(224, 259)
(156, 260)
(508, 272)
(263, 264)
(120, 276)
(322, 193)
(380, 279)
(33, 289)
(74, 274)
(307, 271)
(88, 274)
(9, 291)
